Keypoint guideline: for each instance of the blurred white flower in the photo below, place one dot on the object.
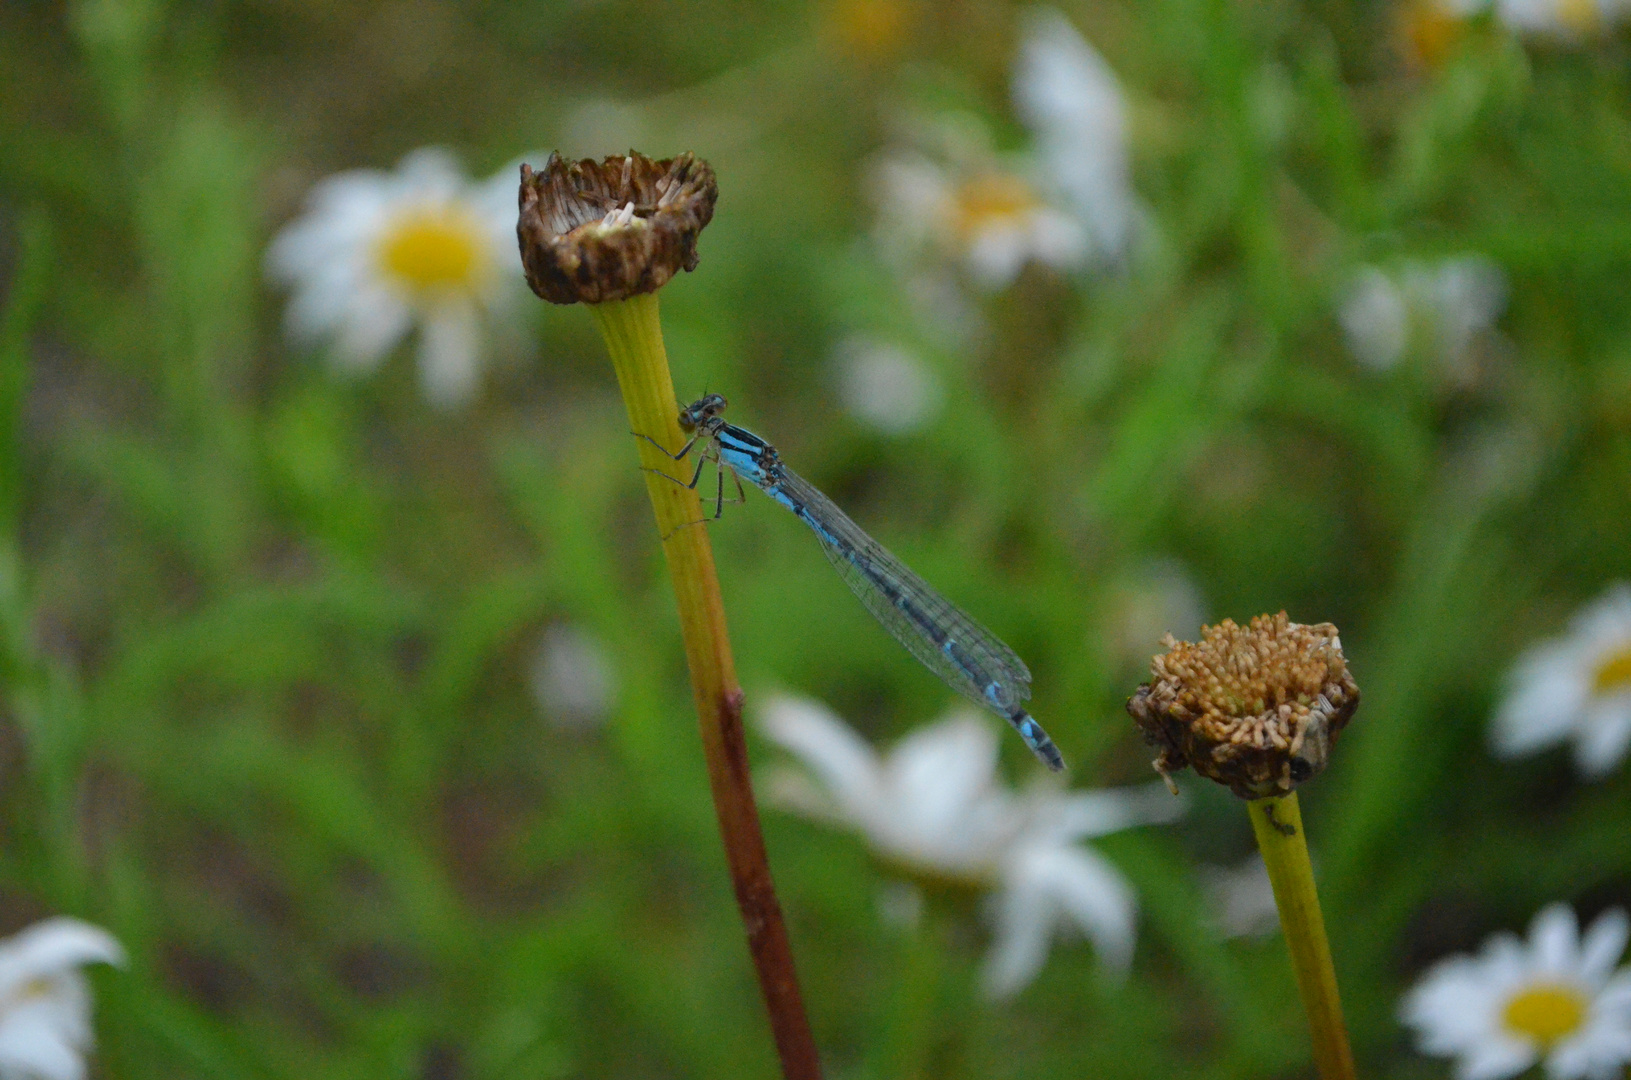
(886, 387)
(1065, 204)
(45, 1002)
(1073, 104)
(1444, 305)
(934, 807)
(1243, 898)
(571, 678)
(1556, 999)
(376, 254)
(1574, 687)
(1558, 20)
(1376, 319)
(977, 212)
(1465, 295)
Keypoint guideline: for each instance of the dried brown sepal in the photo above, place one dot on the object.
(605, 230)
(1256, 708)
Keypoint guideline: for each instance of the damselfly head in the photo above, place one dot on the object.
(700, 411)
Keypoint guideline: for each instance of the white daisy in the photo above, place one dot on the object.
(1444, 306)
(377, 253)
(571, 678)
(975, 210)
(1066, 204)
(933, 807)
(45, 1003)
(886, 387)
(1574, 687)
(1556, 999)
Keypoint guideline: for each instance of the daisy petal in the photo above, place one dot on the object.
(1603, 944)
(1088, 814)
(1024, 926)
(1495, 1060)
(1086, 888)
(52, 947)
(45, 1001)
(1544, 705)
(942, 769)
(376, 321)
(32, 1046)
(1072, 100)
(841, 762)
(449, 355)
(1601, 742)
(1553, 938)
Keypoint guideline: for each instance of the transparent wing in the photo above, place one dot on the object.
(910, 609)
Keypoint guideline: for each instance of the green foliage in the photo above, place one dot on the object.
(265, 632)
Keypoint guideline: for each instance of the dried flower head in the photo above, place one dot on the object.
(1256, 707)
(605, 230)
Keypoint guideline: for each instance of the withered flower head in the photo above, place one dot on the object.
(1256, 707)
(605, 230)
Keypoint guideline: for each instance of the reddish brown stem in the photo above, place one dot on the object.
(756, 893)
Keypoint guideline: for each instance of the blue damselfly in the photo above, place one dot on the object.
(968, 658)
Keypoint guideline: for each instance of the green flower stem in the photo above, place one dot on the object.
(1278, 823)
(634, 337)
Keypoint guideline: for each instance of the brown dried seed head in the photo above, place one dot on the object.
(1257, 708)
(605, 230)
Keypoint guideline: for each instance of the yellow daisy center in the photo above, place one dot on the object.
(1613, 674)
(1545, 1012)
(990, 199)
(434, 249)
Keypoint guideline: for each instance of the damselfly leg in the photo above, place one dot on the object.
(707, 454)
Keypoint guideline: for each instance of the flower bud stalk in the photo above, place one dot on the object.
(1278, 823)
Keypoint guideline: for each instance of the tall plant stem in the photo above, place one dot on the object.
(634, 337)
(1278, 823)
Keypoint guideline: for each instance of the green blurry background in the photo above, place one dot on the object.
(266, 632)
